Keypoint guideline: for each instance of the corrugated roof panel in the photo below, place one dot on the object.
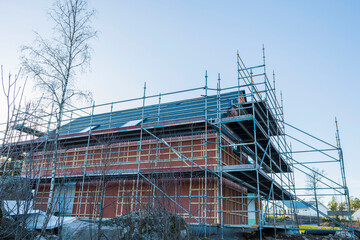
(188, 108)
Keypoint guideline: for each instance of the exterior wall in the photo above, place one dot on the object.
(234, 203)
(125, 156)
(228, 155)
(118, 197)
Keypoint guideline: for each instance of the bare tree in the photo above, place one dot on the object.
(313, 183)
(12, 95)
(54, 63)
(13, 188)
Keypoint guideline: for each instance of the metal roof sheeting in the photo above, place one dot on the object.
(188, 108)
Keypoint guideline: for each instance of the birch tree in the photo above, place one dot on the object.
(313, 182)
(55, 62)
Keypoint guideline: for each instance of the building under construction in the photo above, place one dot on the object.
(218, 157)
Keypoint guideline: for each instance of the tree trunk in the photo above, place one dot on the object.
(55, 155)
(316, 204)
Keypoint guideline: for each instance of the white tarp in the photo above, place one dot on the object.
(13, 207)
(34, 218)
(37, 220)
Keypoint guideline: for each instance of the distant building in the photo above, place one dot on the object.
(340, 214)
(307, 210)
(300, 208)
(356, 215)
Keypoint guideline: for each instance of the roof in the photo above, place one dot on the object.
(178, 117)
(356, 213)
(339, 213)
(171, 111)
(297, 204)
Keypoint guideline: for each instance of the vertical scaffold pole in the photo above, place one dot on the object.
(342, 168)
(278, 144)
(268, 106)
(274, 204)
(258, 197)
(238, 79)
(274, 87)
(263, 50)
(159, 107)
(282, 193)
(206, 150)
(220, 187)
(293, 186)
(111, 111)
(140, 148)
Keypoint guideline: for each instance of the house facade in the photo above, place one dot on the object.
(195, 157)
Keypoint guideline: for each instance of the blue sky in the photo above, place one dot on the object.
(313, 47)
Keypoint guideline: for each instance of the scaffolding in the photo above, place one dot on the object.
(220, 157)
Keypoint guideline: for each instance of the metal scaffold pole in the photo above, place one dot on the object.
(220, 186)
(258, 196)
(140, 148)
(206, 152)
(343, 177)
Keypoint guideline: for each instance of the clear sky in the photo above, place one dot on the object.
(313, 47)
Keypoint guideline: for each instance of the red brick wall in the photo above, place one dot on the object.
(120, 198)
(125, 155)
(120, 195)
